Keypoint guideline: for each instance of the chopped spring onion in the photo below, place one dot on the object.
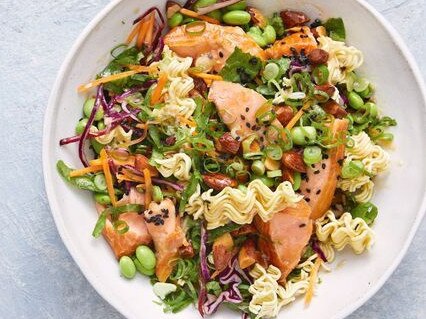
(266, 118)
(121, 227)
(352, 169)
(157, 194)
(258, 167)
(297, 180)
(360, 84)
(312, 155)
(274, 152)
(100, 182)
(211, 165)
(195, 28)
(271, 71)
(253, 155)
(320, 74)
(275, 173)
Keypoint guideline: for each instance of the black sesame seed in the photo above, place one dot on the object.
(302, 225)
(318, 192)
(262, 138)
(247, 109)
(237, 138)
(303, 176)
(220, 54)
(242, 117)
(317, 172)
(308, 190)
(248, 124)
(307, 199)
(323, 165)
(326, 156)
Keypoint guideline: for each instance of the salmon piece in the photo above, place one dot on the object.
(320, 182)
(216, 43)
(168, 236)
(126, 244)
(298, 41)
(285, 236)
(237, 106)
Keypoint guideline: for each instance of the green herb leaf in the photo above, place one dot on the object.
(277, 23)
(241, 67)
(336, 29)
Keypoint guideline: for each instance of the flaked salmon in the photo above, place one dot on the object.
(237, 106)
(285, 236)
(167, 234)
(126, 244)
(320, 181)
(216, 43)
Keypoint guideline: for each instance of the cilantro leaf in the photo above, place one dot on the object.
(241, 67)
(336, 29)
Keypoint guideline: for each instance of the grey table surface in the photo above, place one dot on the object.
(38, 278)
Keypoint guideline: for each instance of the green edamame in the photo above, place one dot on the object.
(80, 126)
(371, 108)
(141, 269)
(355, 101)
(368, 92)
(255, 30)
(269, 34)
(146, 257)
(242, 5)
(97, 147)
(236, 17)
(102, 199)
(88, 107)
(258, 39)
(101, 125)
(203, 3)
(175, 20)
(127, 267)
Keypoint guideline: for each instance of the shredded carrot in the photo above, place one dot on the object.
(189, 122)
(95, 162)
(142, 32)
(312, 280)
(194, 14)
(298, 115)
(156, 95)
(86, 170)
(208, 82)
(110, 78)
(133, 34)
(207, 76)
(108, 177)
(148, 185)
(129, 175)
(150, 29)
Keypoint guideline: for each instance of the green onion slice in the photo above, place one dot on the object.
(320, 74)
(121, 227)
(195, 28)
(274, 152)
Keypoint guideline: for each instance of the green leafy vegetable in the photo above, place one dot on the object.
(241, 67)
(217, 232)
(277, 23)
(336, 29)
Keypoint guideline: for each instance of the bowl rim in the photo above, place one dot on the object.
(55, 209)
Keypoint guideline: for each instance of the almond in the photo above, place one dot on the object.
(228, 144)
(219, 181)
(293, 18)
(327, 88)
(318, 56)
(294, 161)
(284, 114)
(333, 108)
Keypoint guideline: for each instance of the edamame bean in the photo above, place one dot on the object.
(360, 84)
(80, 126)
(371, 109)
(216, 14)
(127, 267)
(237, 6)
(258, 39)
(157, 194)
(88, 107)
(141, 269)
(255, 30)
(269, 34)
(236, 17)
(175, 20)
(97, 147)
(102, 199)
(101, 125)
(355, 101)
(303, 135)
(203, 3)
(146, 257)
(258, 167)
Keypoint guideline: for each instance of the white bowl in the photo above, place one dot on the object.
(400, 195)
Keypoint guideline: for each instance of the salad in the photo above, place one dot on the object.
(232, 154)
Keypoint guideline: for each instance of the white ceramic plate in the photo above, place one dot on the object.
(400, 195)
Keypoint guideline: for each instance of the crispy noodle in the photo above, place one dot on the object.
(179, 165)
(375, 159)
(240, 207)
(115, 138)
(177, 103)
(342, 59)
(344, 231)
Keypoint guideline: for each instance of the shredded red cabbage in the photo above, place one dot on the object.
(204, 276)
(316, 248)
(84, 135)
(175, 186)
